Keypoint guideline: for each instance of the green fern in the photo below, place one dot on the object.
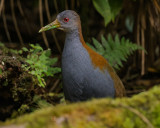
(115, 50)
(39, 63)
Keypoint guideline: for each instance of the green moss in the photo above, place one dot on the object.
(98, 113)
(128, 123)
(156, 116)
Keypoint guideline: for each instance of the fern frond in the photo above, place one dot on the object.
(115, 50)
(98, 46)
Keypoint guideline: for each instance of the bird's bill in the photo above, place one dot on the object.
(54, 24)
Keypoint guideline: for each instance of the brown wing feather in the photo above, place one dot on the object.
(119, 87)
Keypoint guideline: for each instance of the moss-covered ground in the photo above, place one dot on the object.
(140, 111)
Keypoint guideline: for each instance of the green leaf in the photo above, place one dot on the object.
(1, 44)
(108, 8)
(117, 39)
(102, 6)
(25, 49)
(36, 48)
(91, 46)
(41, 81)
(0, 71)
(20, 51)
(98, 46)
(115, 6)
(48, 52)
(129, 23)
(53, 61)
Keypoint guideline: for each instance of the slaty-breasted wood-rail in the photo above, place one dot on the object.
(85, 73)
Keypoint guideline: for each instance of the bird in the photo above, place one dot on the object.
(85, 73)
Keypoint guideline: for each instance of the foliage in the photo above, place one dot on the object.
(129, 23)
(0, 71)
(40, 103)
(115, 50)
(18, 83)
(1, 44)
(37, 102)
(108, 8)
(39, 63)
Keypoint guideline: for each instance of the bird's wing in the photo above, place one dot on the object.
(119, 87)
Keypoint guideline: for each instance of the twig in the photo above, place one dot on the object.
(156, 4)
(66, 5)
(72, 4)
(41, 22)
(135, 91)
(49, 19)
(140, 35)
(20, 7)
(22, 13)
(5, 25)
(78, 3)
(56, 6)
(15, 22)
(140, 115)
(55, 85)
(143, 52)
(1, 6)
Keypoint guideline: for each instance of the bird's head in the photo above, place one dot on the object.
(67, 20)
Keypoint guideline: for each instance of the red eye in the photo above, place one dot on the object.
(66, 19)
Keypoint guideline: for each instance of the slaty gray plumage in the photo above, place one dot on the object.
(86, 74)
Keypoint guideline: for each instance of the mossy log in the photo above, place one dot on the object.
(140, 111)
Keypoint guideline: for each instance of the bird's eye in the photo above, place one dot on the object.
(66, 19)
